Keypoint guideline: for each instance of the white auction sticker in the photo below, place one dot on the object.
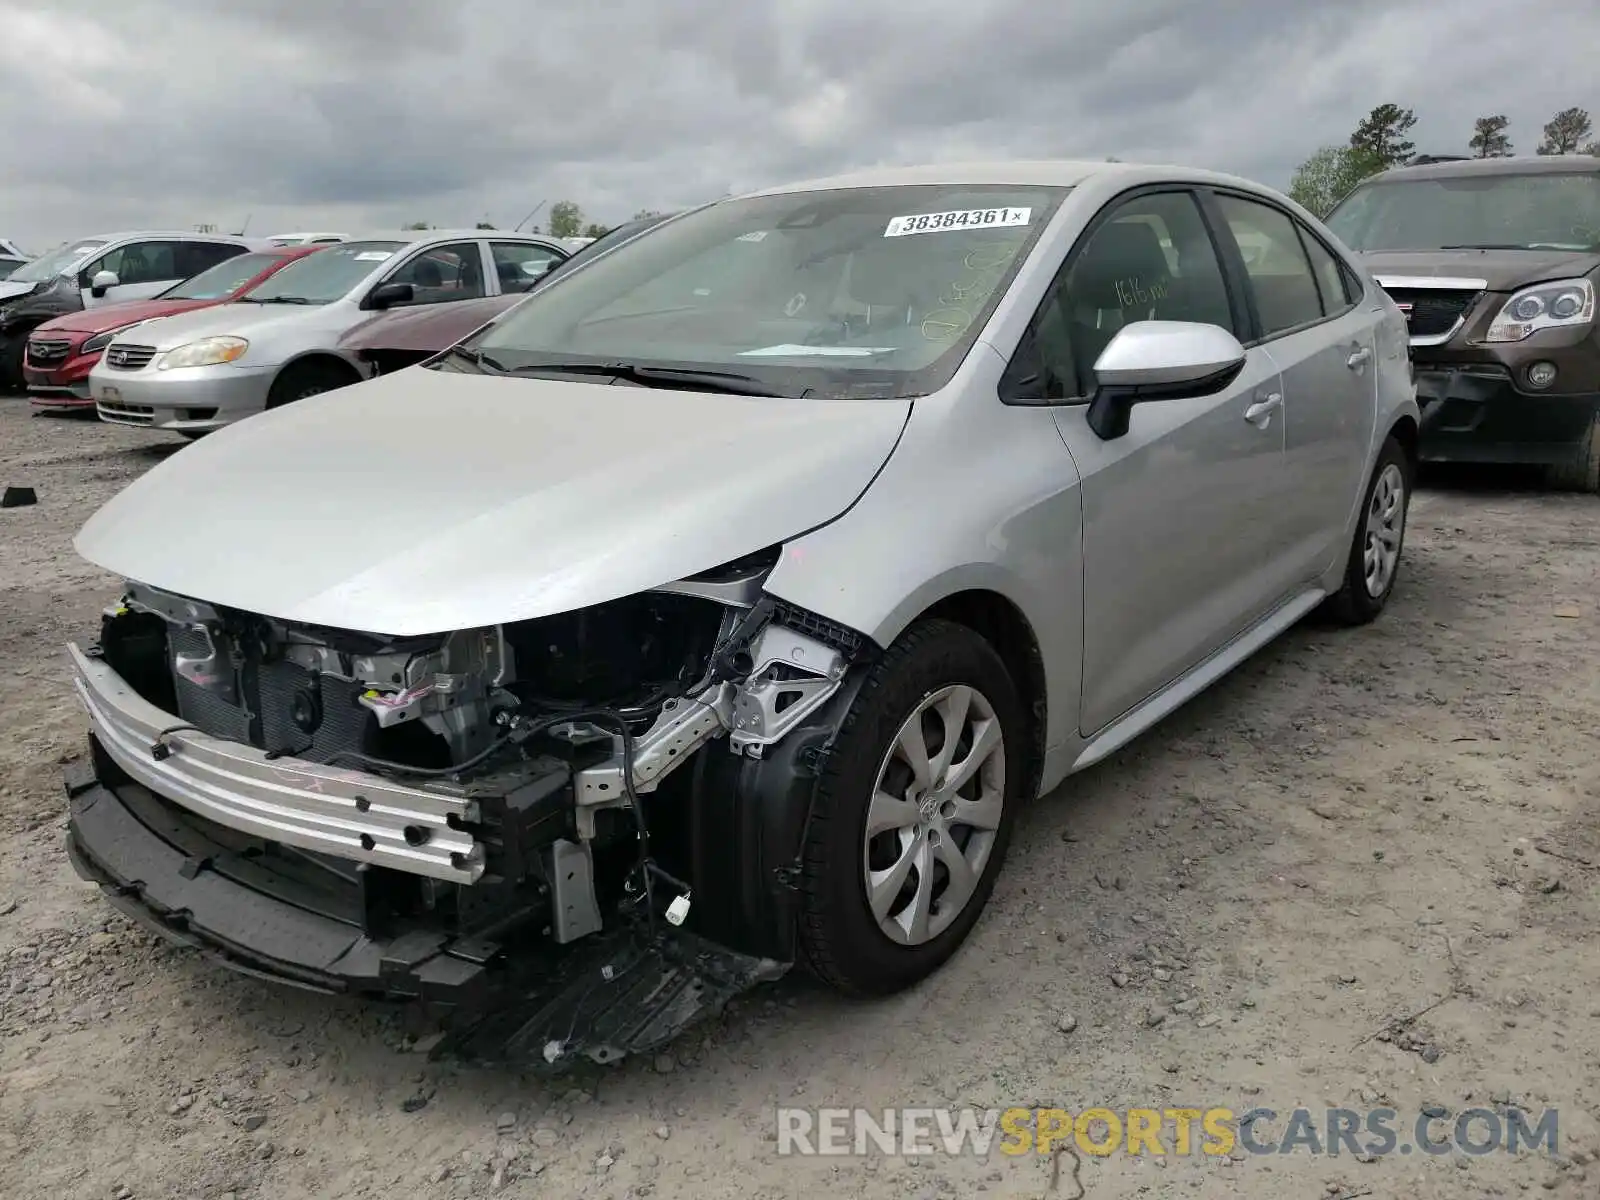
(961, 218)
(373, 255)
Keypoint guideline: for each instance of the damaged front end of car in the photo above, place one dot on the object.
(568, 836)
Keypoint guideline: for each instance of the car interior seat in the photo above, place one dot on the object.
(1121, 277)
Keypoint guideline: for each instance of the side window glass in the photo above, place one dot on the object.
(1280, 275)
(520, 265)
(1330, 276)
(444, 273)
(137, 262)
(1354, 288)
(194, 257)
(1152, 260)
(150, 262)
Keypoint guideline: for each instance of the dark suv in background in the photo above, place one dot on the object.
(1495, 263)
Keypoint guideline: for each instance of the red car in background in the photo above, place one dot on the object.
(62, 352)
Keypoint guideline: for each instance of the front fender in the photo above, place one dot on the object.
(978, 496)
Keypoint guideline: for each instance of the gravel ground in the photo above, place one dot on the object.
(1355, 828)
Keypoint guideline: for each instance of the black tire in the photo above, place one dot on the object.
(1582, 474)
(1355, 603)
(11, 352)
(303, 380)
(841, 941)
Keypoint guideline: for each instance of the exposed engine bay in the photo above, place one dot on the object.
(525, 780)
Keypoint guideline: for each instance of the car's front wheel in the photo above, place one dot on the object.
(304, 380)
(1582, 472)
(913, 811)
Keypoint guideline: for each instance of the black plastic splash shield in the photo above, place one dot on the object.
(624, 992)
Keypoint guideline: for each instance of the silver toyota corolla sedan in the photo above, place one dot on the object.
(719, 608)
(199, 371)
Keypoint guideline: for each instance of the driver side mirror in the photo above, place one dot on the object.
(387, 295)
(102, 282)
(1160, 360)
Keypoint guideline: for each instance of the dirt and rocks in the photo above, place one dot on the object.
(1363, 871)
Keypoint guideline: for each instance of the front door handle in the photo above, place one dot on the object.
(1359, 359)
(1261, 411)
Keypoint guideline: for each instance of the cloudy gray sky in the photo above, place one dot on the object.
(358, 114)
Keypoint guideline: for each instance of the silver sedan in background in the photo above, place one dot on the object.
(199, 371)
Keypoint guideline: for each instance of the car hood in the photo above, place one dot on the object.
(237, 318)
(114, 316)
(428, 501)
(426, 326)
(10, 290)
(1505, 270)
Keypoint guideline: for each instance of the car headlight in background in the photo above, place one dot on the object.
(207, 352)
(1563, 304)
(101, 340)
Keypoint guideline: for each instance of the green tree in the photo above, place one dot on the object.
(484, 225)
(417, 225)
(1489, 138)
(566, 218)
(644, 214)
(1329, 175)
(1566, 131)
(1382, 135)
(595, 230)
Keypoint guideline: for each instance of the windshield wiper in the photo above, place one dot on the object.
(480, 360)
(278, 300)
(646, 376)
(1489, 246)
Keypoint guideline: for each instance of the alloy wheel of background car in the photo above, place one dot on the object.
(1386, 517)
(933, 815)
(1373, 564)
(882, 907)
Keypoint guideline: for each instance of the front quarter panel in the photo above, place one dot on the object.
(977, 496)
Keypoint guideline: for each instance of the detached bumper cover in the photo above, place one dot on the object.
(1476, 414)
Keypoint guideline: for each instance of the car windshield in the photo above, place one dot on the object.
(8, 265)
(222, 280)
(61, 261)
(1557, 211)
(873, 291)
(325, 276)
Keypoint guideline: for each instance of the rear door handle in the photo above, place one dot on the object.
(1359, 359)
(1261, 411)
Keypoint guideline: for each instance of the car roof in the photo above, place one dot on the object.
(1522, 164)
(415, 236)
(125, 234)
(1036, 173)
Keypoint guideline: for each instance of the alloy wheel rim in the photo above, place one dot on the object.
(934, 816)
(1386, 520)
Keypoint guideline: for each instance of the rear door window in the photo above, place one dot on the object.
(520, 265)
(1281, 276)
(443, 274)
